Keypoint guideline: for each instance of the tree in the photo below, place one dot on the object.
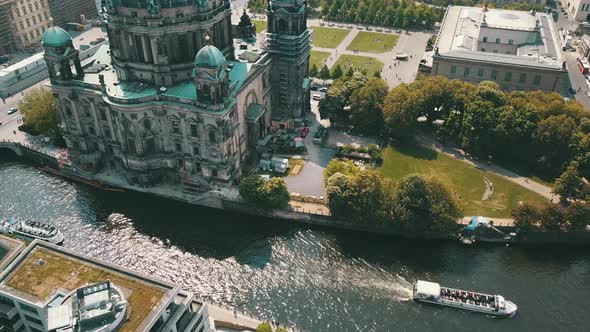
(367, 106)
(377, 74)
(281, 329)
(578, 216)
(276, 193)
(40, 111)
(272, 193)
(250, 187)
(525, 216)
(357, 197)
(424, 206)
(324, 73)
(566, 186)
(337, 72)
(552, 217)
(349, 72)
(264, 327)
(346, 168)
(553, 137)
(313, 72)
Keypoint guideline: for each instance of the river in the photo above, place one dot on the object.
(317, 280)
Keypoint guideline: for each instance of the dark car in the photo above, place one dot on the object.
(572, 91)
(12, 110)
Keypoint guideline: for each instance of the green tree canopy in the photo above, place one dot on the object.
(358, 197)
(324, 73)
(552, 217)
(578, 215)
(336, 72)
(313, 72)
(366, 106)
(424, 206)
(568, 183)
(272, 193)
(525, 216)
(264, 327)
(40, 110)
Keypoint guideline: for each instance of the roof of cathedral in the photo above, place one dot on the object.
(209, 56)
(56, 36)
(131, 90)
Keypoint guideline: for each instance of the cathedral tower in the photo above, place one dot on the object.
(289, 46)
(60, 55)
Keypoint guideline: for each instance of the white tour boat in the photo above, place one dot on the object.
(31, 230)
(431, 292)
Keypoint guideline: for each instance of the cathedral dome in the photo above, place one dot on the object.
(209, 56)
(56, 36)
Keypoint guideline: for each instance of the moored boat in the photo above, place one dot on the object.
(31, 230)
(431, 292)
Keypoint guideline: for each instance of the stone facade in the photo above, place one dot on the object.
(578, 10)
(70, 11)
(516, 49)
(289, 45)
(155, 110)
(30, 19)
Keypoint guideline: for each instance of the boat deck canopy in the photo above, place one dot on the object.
(426, 288)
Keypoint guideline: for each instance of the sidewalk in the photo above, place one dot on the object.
(509, 175)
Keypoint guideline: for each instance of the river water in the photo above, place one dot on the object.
(317, 280)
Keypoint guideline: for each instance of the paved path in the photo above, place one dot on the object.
(509, 175)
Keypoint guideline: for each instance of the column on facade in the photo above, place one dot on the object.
(94, 115)
(130, 48)
(74, 109)
(154, 46)
(144, 48)
(191, 45)
(114, 133)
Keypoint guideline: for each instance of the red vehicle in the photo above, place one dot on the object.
(583, 66)
(304, 132)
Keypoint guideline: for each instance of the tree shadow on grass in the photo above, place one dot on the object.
(415, 150)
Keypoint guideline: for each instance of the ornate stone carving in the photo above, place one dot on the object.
(153, 7)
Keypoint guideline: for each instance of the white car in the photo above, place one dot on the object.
(45, 140)
(316, 97)
(12, 110)
(323, 89)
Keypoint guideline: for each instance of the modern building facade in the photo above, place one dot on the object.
(29, 19)
(72, 11)
(166, 102)
(519, 50)
(578, 10)
(50, 288)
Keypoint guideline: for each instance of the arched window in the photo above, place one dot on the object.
(212, 138)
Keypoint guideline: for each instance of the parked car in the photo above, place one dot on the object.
(572, 90)
(12, 110)
(314, 88)
(323, 89)
(316, 97)
(45, 140)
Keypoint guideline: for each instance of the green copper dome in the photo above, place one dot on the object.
(209, 56)
(55, 37)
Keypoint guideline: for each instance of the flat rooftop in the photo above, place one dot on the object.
(45, 270)
(533, 36)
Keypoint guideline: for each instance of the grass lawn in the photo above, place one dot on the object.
(463, 179)
(260, 25)
(293, 163)
(359, 62)
(373, 42)
(318, 58)
(328, 37)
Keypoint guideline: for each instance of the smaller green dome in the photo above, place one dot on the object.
(55, 37)
(209, 56)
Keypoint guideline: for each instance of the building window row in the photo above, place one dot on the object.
(522, 78)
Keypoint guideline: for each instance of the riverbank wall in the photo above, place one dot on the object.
(37, 158)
